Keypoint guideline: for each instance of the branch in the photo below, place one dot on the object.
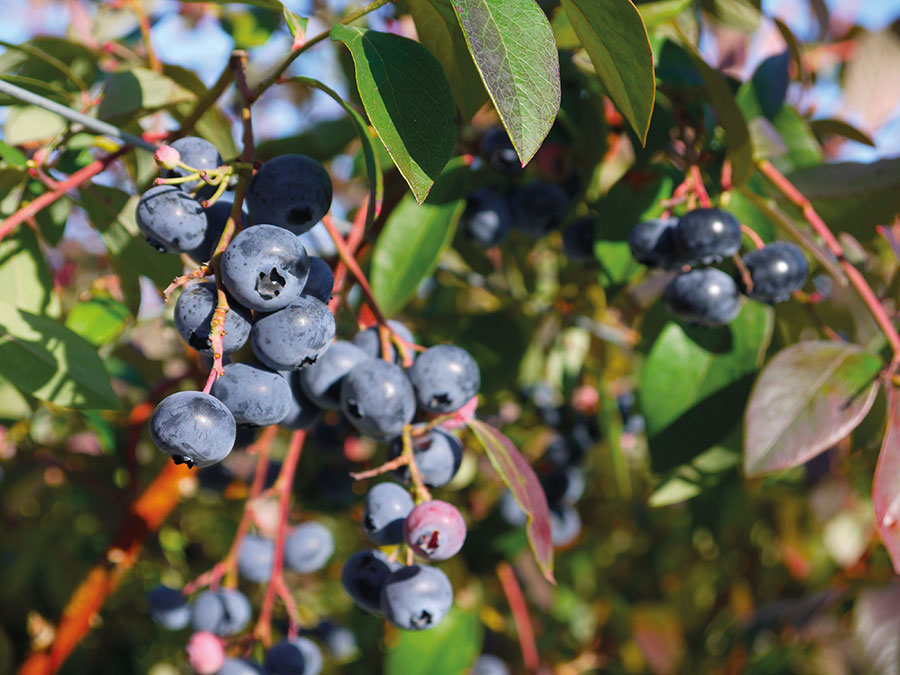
(348, 260)
(519, 609)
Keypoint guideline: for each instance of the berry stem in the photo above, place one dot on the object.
(854, 275)
(753, 236)
(699, 187)
(178, 282)
(519, 609)
(393, 464)
(347, 258)
(421, 492)
(353, 243)
(144, 23)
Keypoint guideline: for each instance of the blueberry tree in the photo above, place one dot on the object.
(560, 341)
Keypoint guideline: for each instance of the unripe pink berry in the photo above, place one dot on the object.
(167, 156)
(435, 530)
(205, 653)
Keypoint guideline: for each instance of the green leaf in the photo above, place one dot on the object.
(615, 38)
(111, 211)
(764, 93)
(409, 246)
(12, 155)
(265, 4)
(24, 276)
(807, 398)
(13, 405)
(835, 127)
(740, 14)
(41, 357)
(439, 31)
(212, 125)
(407, 99)
(296, 24)
(730, 117)
(27, 124)
(137, 90)
(513, 47)
(655, 13)
(98, 320)
(449, 648)
(323, 141)
(695, 381)
(524, 485)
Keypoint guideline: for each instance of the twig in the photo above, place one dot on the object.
(353, 242)
(396, 463)
(699, 187)
(516, 600)
(348, 260)
(144, 24)
(753, 236)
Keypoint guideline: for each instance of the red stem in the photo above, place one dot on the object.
(519, 609)
(348, 259)
(699, 187)
(754, 237)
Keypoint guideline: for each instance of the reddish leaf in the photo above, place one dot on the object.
(807, 398)
(524, 485)
(886, 485)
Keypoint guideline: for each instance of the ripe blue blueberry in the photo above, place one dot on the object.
(308, 548)
(487, 218)
(256, 396)
(240, 667)
(498, 151)
(510, 510)
(294, 656)
(302, 413)
(435, 530)
(197, 153)
(563, 485)
(777, 270)
(322, 380)
(565, 525)
(194, 312)
(171, 221)
(216, 217)
(168, 607)
(224, 612)
(386, 507)
(193, 428)
(378, 399)
(438, 455)
(255, 558)
(707, 235)
(488, 664)
(340, 641)
(652, 242)
(445, 377)
(265, 268)
(579, 238)
(290, 191)
(707, 297)
(363, 577)
(369, 341)
(294, 337)
(539, 208)
(416, 598)
(320, 281)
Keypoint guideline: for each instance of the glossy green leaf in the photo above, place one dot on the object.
(615, 38)
(807, 398)
(413, 238)
(740, 14)
(449, 648)
(323, 141)
(524, 485)
(512, 45)
(213, 125)
(135, 90)
(407, 99)
(41, 357)
(24, 275)
(439, 30)
(27, 124)
(655, 13)
(764, 93)
(296, 24)
(835, 127)
(13, 404)
(695, 381)
(98, 320)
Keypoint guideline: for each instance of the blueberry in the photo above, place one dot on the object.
(563, 486)
(578, 240)
(265, 268)
(378, 399)
(445, 377)
(438, 455)
(290, 191)
(707, 297)
(386, 508)
(193, 428)
(168, 607)
(435, 530)
(216, 217)
(363, 577)
(256, 396)
(194, 312)
(565, 525)
(707, 235)
(652, 242)
(487, 218)
(294, 337)
(205, 653)
(241, 667)
(322, 381)
(308, 548)
(488, 664)
(197, 153)
(510, 510)
(416, 598)
(302, 413)
(498, 151)
(369, 341)
(294, 656)
(171, 221)
(539, 208)
(777, 270)
(340, 641)
(255, 558)
(320, 281)
(224, 612)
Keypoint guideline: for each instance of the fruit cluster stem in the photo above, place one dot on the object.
(421, 492)
(347, 258)
(519, 609)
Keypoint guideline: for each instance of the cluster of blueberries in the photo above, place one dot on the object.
(535, 209)
(706, 295)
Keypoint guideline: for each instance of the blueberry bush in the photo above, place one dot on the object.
(442, 337)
